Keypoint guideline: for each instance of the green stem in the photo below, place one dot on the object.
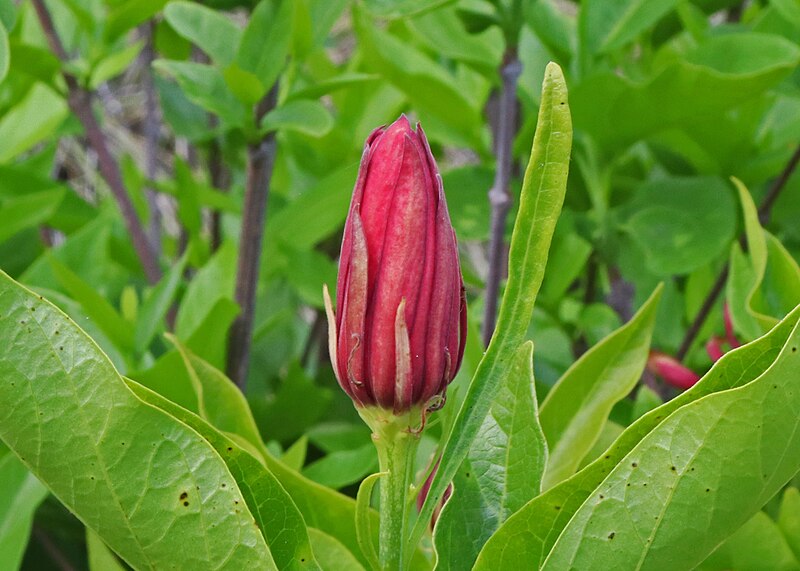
(396, 441)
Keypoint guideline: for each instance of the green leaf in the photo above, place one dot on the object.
(403, 8)
(264, 45)
(789, 519)
(96, 307)
(324, 87)
(758, 544)
(28, 210)
(766, 282)
(295, 455)
(20, 495)
(528, 536)
(331, 554)
(156, 305)
(366, 538)
(276, 515)
(304, 116)
(219, 401)
(316, 213)
(114, 64)
(676, 239)
(343, 468)
(717, 460)
(5, 60)
(129, 14)
(576, 409)
(723, 71)
(320, 507)
(208, 29)
(84, 434)
(542, 195)
(30, 121)
(243, 84)
(101, 558)
(442, 103)
(502, 472)
(604, 26)
(205, 86)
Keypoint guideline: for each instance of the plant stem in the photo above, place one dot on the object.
(396, 442)
(764, 211)
(500, 195)
(260, 160)
(80, 101)
(152, 131)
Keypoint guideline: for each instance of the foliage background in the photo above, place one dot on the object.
(669, 99)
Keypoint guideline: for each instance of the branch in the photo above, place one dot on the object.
(80, 101)
(500, 195)
(764, 212)
(260, 160)
(152, 130)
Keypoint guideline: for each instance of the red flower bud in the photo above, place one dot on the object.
(671, 370)
(398, 337)
(714, 349)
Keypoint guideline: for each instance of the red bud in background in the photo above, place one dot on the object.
(671, 370)
(398, 337)
(714, 349)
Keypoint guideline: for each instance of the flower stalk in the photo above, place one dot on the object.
(396, 440)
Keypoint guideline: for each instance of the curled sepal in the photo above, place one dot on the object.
(402, 352)
(364, 522)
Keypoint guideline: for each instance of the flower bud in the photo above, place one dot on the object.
(398, 337)
(671, 370)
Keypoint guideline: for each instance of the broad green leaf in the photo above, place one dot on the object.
(343, 468)
(115, 327)
(264, 45)
(30, 121)
(364, 522)
(243, 84)
(320, 506)
(443, 105)
(682, 224)
(723, 71)
(295, 455)
(402, 8)
(101, 558)
(113, 64)
(605, 25)
(789, 519)
(156, 305)
(303, 115)
(331, 554)
(8, 14)
(211, 284)
(554, 28)
(576, 409)
(20, 495)
(5, 60)
(542, 195)
(129, 14)
(692, 481)
(83, 433)
(765, 284)
(28, 210)
(205, 86)
(528, 536)
(276, 515)
(758, 544)
(219, 401)
(208, 29)
(324, 87)
(316, 213)
(502, 472)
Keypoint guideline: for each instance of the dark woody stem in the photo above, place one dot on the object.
(260, 160)
(500, 194)
(396, 438)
